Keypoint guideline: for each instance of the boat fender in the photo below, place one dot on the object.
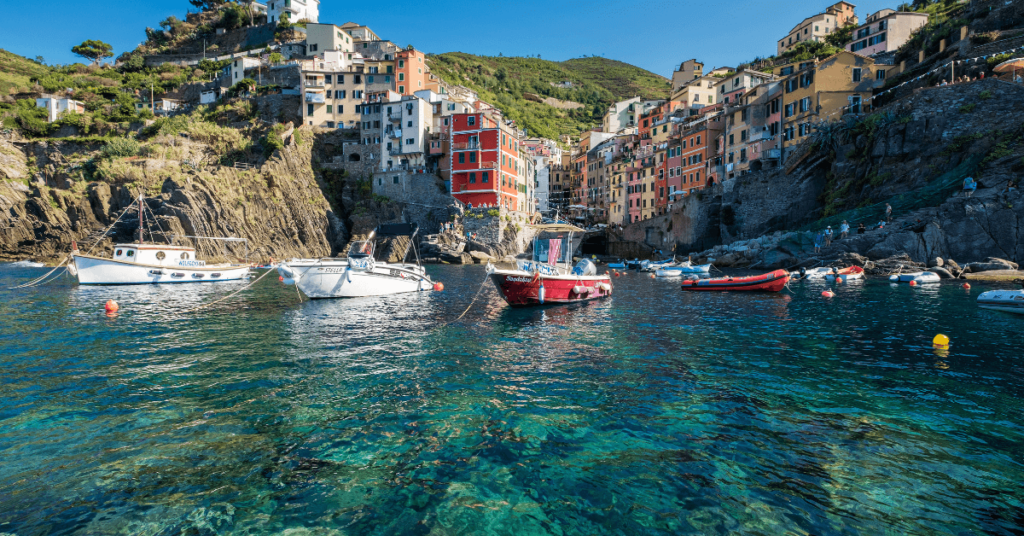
(540, 293)
(286, 271)
(605, 287)
(289, 281)
(581, 289)
(72, 269)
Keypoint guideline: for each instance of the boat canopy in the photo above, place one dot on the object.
(557, 228)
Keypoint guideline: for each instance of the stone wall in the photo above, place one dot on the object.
(422, 196)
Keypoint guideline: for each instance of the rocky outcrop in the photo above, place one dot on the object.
(279, 206)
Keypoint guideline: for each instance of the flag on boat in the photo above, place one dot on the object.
(554, 247)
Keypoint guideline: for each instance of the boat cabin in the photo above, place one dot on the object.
(361, 249)
(157, 255)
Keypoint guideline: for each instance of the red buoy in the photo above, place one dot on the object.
(827, 294)
(439, 286)
(111, 307)
(617, 274)
(839, 279)
(280, 278)
(913, 283)
(967, 286)
(652, 276)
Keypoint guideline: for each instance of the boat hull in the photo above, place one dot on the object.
(1007, 301)
(770, 282)
(522, 289)
(100, 271)
(677, 271)
(919, 277)
(337, 280)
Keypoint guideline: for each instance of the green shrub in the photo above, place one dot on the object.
(121, 147)
(494, 213)
(968, 108)
(985, 95)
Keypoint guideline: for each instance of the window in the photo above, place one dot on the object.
(484, 177)
(731, 141)
(330, 109)
(410, 141)
(698, 141)
(409, 124)
(309, 109)
(789, 110)
(401, 89)
(471, 120)
(856, 74)
(462, 158)
(401, 64)
(341, 79)
(880, 75)
(472, 158)
(395, 179)
(401, 77)
(472, 178)
(369, 79)
(387, 78)
(743, 135)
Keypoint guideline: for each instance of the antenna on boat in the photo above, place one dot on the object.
(142, 237)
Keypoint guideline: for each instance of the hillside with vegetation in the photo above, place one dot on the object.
(514, 85)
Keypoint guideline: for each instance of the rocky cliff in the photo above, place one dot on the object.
(48, 200)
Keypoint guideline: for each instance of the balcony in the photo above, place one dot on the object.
(314, 82)
(395, 116)
(395, 134)
(466, 146)
(771, 154)
(317, 98)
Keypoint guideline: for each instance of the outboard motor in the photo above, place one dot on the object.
(803, 272)
(585, 267)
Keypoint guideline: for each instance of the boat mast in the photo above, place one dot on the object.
(141, 241)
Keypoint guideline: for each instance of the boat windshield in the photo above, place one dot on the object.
(362, 248)
(550, 250)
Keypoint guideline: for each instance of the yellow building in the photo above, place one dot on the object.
(330, 99)
(816, 27)
(825, 90)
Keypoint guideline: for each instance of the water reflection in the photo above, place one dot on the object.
(653, 412)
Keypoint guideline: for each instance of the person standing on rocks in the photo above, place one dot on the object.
(970, 185)
(844, 230)
(828, 236)
(818, 240)
(888, 213)
(861, 229)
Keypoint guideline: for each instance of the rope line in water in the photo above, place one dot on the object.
(233, 294)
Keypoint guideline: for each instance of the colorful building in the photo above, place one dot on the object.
(485, 161)
(817, 27)
(412, 71)
(885, 31)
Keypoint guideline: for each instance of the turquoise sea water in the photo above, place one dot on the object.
(654, 412)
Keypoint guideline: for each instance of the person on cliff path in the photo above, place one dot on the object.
(828, 236)
(888, 213)
(970, 185)
(861, 229)
(818, 239)
(844, 230)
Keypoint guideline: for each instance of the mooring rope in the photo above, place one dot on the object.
(233, 294)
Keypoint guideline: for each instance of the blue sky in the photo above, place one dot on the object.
(654, 34)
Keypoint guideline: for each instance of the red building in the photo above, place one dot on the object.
(484, 161)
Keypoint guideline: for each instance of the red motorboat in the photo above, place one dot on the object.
(770, 282)
(545, 280)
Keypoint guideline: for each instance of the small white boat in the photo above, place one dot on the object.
(1008, 301)
(854, 276)
(652, 266)
(359, 275)
(685, 267)
(918, 277)
(146, 264)
(27, 264)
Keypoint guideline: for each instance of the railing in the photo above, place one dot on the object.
(314, 83)
(771, 154)
(315, 98)
(489, 165)
(243, 165)
(465, 146)
(395, 116)
(395, 134)
(394, 152)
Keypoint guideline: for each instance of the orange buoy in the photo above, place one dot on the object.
(652, 276)
(827, 294)
(617, 274)
(913, 283)
(967, 286)
(839, 279)
(111, 307)
(280, 278)
(439, 286)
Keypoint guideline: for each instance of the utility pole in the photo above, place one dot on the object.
(152, 103)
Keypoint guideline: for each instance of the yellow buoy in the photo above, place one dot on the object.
(940, 341)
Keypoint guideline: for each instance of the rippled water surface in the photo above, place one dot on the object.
(654, 412)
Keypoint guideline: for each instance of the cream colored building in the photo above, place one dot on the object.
(817, 27)
(689, 71)
(323, 37)
(331, 98)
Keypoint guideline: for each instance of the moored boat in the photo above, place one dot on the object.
(826, 273)
(360, 274)
(678, 269)
(144, 264)
(1008, 301)
(917, 277)
(769, 282)
(549, 278)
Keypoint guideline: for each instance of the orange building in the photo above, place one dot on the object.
(411, 67)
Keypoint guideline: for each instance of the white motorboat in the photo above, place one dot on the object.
(143, 264)
(678, 269)
(1009, 301)
(360, 274)
(652, 266)
(825, 273)
(917, 277)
